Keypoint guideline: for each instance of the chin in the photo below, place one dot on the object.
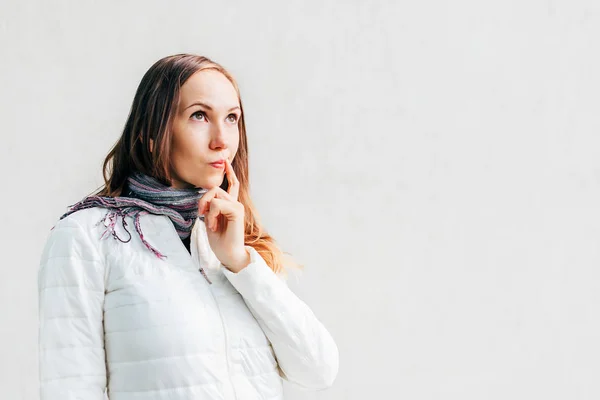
(205, 179)
(209, 183)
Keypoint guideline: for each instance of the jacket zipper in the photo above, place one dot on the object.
(227, 355)
(205, 276)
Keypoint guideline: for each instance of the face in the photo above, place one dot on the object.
(205, 130)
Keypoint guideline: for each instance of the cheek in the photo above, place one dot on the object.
(188, 154)
(235, 142)
(183, 152)
(189, 142)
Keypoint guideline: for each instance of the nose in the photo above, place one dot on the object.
(218, 137)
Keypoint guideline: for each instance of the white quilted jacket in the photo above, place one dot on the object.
(113, 316)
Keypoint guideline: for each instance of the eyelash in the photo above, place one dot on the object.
(204, 114)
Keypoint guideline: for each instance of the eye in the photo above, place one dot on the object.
(198, 112)
(235, 117)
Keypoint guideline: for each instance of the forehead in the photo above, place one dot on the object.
(211, 87)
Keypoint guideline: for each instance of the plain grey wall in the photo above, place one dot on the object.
(433, 164)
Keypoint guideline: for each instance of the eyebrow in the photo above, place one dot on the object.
(198, 103)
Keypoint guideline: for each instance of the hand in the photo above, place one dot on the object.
(224, 219)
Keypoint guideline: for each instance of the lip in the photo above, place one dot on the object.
(218, 164)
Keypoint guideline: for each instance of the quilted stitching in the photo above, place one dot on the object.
(113, 316)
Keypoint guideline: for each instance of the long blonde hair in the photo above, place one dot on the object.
(151, 115)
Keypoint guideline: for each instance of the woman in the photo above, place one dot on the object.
(188, 301)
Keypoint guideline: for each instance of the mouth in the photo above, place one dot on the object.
(218, 164)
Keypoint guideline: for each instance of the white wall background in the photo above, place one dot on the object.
(433, 164)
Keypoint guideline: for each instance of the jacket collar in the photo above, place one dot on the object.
(161, 233)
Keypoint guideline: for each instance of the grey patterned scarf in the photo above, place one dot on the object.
(146, 195)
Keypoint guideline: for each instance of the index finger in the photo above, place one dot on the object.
(233, 183)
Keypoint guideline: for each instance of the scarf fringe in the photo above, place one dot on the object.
(112, 215)
(145, 195)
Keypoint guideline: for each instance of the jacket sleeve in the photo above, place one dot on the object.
(306, 352)
(71, 335)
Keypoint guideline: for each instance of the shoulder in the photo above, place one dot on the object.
(71, 254)
(73, 233)
(85, 219)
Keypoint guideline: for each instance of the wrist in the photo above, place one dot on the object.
(239, 263)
